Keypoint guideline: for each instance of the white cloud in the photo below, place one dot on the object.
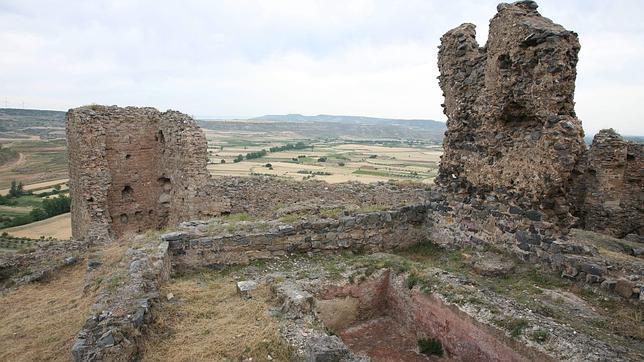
(247, 58)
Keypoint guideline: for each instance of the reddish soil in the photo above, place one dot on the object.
(383, 339)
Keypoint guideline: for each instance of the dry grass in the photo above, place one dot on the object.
(38, 322)
(208, 321)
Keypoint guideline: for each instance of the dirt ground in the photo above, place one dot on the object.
(38, 322)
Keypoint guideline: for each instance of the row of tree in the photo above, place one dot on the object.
(49, 208)
(262, 153)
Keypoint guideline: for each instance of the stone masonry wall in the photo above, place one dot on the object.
(200, 247)
(511, 121)
(512, 131)
(614, 188)
(133, 169)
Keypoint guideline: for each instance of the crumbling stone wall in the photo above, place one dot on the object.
(203, 245)
(613, 186)
(511, 121)
(133, 169)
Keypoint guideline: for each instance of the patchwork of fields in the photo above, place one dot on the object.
(329, 160)
(41, 166)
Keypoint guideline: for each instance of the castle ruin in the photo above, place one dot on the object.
(514, 178)
(513, 131)
(134, 169)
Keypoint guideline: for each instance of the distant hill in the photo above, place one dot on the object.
(333, 126)
(424, 123)
(22, 123)
(31, 117)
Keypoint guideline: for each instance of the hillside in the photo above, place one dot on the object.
(423, 123)
(27, 123)
(344, 127)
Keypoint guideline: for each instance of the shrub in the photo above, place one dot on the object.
(239, 158)
(38, 213)
(340, 163)
(322, 159)
(430, 347)
(222, 161)
(540, 335)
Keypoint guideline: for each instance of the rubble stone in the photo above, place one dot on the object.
(624, 288)
(244, 288)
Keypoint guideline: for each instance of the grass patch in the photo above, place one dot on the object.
(513, 325)
(540, 335)
(242, 216)
(430, 347)
(290, 218)
(372, 208)
(332, 213)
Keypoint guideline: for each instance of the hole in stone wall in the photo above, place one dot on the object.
(126, 193)
(90, 199)
(138, 216)
(127, 156)
(160, 137)
(123, 218)
(630, 157)
(504, 61)
(165, 183)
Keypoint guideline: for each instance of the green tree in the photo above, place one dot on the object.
(38, 213)
(56, 206)
(16, 189)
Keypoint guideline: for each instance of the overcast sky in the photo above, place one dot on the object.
(249, 58)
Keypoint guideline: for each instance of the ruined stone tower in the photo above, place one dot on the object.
(512, 130)
(613, 188)
(511, 121)
(133, 169)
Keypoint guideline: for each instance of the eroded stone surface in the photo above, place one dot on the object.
(614, 186)
(133, 169)
(513, 131)
(510, 109)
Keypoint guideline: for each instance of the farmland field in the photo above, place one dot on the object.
(35, 155)
(329, 160)
(57, 227)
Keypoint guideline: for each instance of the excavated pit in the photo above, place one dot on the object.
(384, 319)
